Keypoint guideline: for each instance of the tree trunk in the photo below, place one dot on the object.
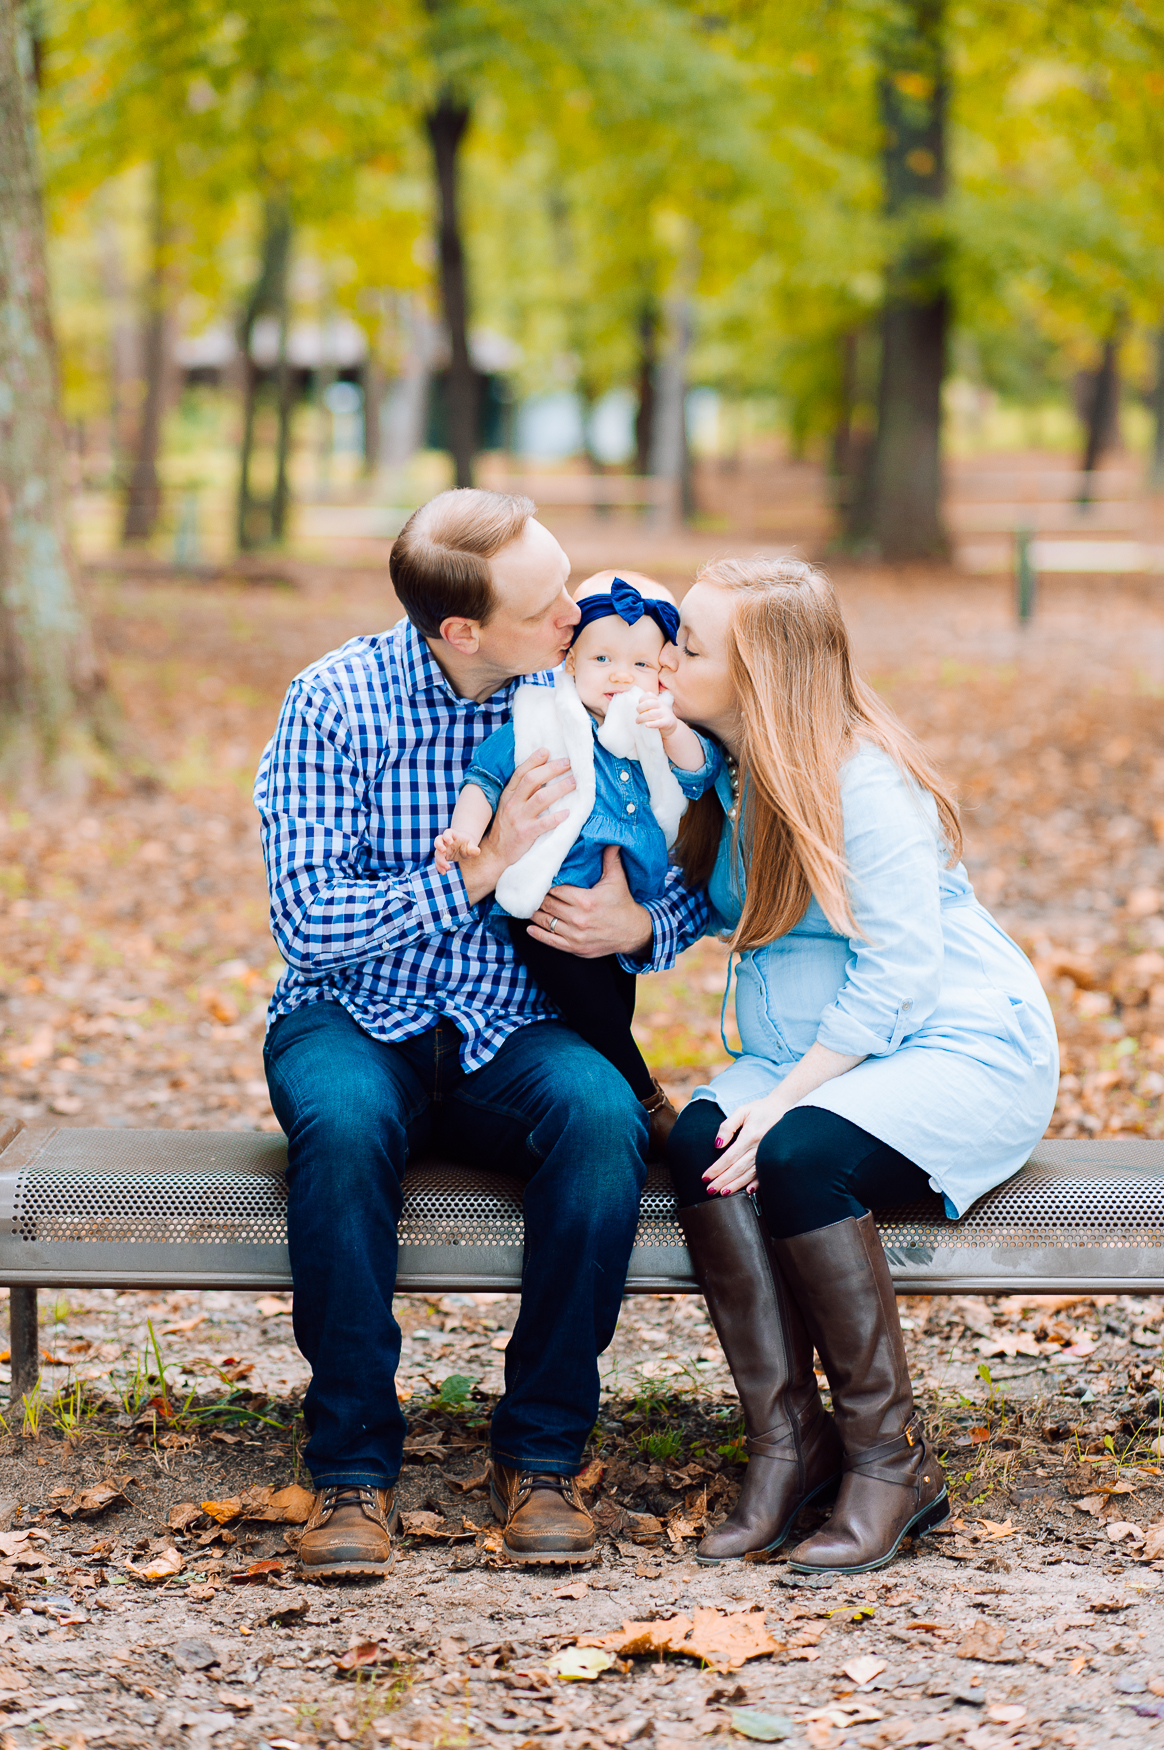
(268, 297)
(144, 498)
(1157, 476)
(648, 363)
(670, 457)
(372, 383)
(446, 129)
(904, 504)
(49, 680)
(1101, 413)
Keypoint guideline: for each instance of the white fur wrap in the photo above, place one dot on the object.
(559, 721)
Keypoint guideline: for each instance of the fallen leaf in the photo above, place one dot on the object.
(590, 1477)
(724, 1642)
(369, 1653)
(184, 1514)
(643, 1527)
(864, 1669)
(11, 1680)
(931, 1730)
(466, 1485)
(180, 1325)
(979, 1435)
(288, 1611)
(1076, 1665)
(984, 1641)
(223, 1511)
(271, 1307)
(421, 1523)
(578, 1590)
(289, 1506)
(1154, 1541)
(88, 1502)
(1109, 1606)
(1006, 1713)
(342, 1729)
(580, 1664)
(1125, 1531)
(765, 1728)
(257, 1572)
(160, 1567)
(993, 1530)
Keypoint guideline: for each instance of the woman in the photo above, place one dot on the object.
(894, 1040)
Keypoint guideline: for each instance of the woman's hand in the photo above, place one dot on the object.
(735, 1169)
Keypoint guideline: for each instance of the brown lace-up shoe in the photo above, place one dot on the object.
(349, 1533)
(543, 1516)
(663, 1117)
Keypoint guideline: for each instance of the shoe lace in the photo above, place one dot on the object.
(336, 1493)
(532, 1480)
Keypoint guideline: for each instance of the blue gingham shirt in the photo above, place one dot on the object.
(361, 774)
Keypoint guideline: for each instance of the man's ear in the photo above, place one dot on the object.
(464, 635)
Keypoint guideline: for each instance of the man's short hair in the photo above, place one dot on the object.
(440, 559)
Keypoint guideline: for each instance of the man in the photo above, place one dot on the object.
(402, 1024)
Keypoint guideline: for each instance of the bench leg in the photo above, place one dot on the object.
(24, 1342)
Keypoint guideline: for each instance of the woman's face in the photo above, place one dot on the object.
(695, 670)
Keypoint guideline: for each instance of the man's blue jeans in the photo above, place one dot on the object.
(547, 1108)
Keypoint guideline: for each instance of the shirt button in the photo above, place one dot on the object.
(625, 776)
(630, 807)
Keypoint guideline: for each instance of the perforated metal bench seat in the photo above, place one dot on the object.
(206, 1209)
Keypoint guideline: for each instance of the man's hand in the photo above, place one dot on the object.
(593, 921)
(535, 787)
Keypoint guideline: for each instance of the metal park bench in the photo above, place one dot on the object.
(206, 1209)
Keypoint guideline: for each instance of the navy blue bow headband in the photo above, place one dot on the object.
(625, 601)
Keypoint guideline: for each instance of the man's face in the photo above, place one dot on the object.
(534, 619)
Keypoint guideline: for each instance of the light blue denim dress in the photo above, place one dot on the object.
(961, 1065)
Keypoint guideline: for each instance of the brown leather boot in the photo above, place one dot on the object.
(663, 1118)
(893, 1483)
(349, 1533)
(543, 1516)
(794, 1452)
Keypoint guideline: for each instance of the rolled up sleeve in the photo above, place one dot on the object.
(694, 784)
(678, 918)
(492, 765)
(894, 974)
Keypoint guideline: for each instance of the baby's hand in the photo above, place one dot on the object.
(658, 713)
(453, 847)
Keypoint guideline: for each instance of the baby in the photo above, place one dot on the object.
(635, 766)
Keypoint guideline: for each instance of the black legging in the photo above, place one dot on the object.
(596, 998)
(813, 1168)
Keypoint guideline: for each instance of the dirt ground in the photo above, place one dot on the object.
(136, 969)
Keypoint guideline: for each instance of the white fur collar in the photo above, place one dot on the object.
(559, 721)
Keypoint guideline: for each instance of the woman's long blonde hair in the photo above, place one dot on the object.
(803, 708)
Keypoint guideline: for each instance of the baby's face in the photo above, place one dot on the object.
(610, 657)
